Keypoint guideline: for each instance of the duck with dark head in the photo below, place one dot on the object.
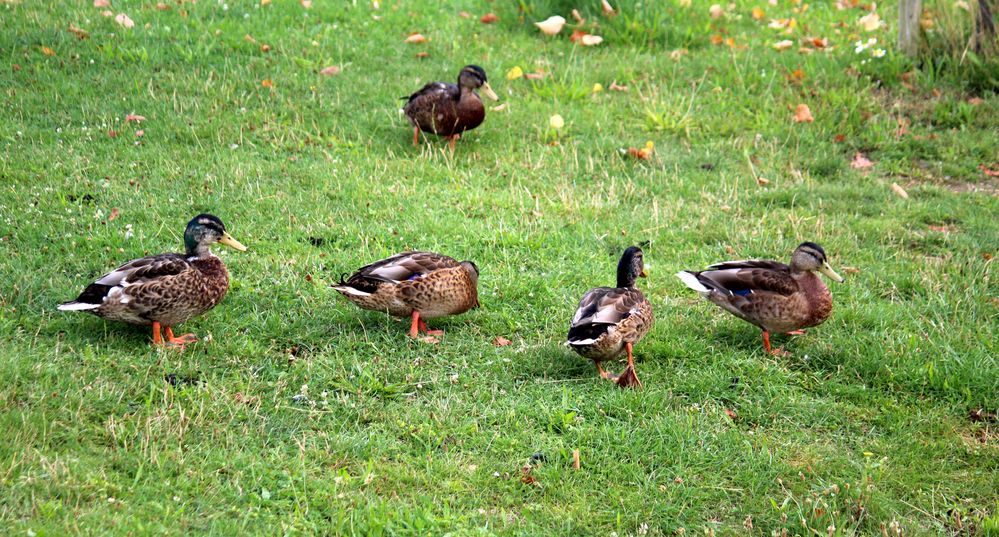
(449, 109)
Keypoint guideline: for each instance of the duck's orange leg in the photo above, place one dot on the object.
(605, 374)
(629, 379)
(772, 351)
(416, 136)
(179, 341)
(429, 332)
(157, 338)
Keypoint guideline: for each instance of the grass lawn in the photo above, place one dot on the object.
(303, 414)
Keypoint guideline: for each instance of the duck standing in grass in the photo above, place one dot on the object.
(448, 109)
(610, 320)
(420, 285)
(167, 289)
(773, 296)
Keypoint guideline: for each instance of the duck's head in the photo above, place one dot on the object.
(205, 230)
(474, 77)
(631, 267)
(810, 257)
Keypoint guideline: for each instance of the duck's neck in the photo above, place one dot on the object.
(199, 251)
(816, 294)
(625, 278)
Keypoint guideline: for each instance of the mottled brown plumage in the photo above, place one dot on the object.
(449, 109)
(771, 295)
(164, 289)
(610, 320)
(414, 284)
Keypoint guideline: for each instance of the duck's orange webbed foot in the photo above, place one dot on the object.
(795, 333)
(629, 379)
(429, 332)
(179, 341)
(774, 352)
(605, 374)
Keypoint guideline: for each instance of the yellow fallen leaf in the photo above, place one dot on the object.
(556, 122)
(552, 25)
(758, 13)
(783, 45)
(598, 87)
(416, 38)
(515, 73)
(47, 51)
(267, 83)
(899, 191)
(802, 114)
(870, 22)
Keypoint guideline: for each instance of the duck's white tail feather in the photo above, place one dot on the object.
(78, 306)
(350, 290)
(692, 282)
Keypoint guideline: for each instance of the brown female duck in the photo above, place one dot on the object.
(610, 320)
(773, 296)
(421, 285)
(166, 289)
(448, 109)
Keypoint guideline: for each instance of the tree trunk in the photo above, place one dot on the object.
(908, 25)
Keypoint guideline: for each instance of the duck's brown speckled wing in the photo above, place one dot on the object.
(745, 277)
(398, 268)
(135, 272)
(764, 293)
(600, 309)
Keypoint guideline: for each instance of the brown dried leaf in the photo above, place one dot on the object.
(989, 171)
(577, 17)
(267, 83)
(575, 459)
(500, 341)
(576, 35)
(416, 38)
(464, 14)
(114, 214)
(899, 191)
(803, 114)
(102, 3)
(616, 87)
(162, 7)
(47, 51)
(430, 339)
(124, 20)
(489, 18)
(134, 117)
(78, 32)
(608, 10)
(731, 414)
(422, 55)
(330, 71)
(265, 48)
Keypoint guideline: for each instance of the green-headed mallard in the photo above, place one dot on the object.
(421, 285)
(610, 320)
(448, 109)
(166, 289)
(773, 296)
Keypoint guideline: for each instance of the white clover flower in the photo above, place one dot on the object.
(878, 53)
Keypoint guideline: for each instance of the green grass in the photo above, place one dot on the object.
(864, 429)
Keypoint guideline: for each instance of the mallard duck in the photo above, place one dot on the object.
(773, 296)
(420, 285)
(448, 109)
(610, 320)
(166, 289)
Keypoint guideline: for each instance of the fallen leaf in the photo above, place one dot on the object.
(124, 20)
(430, 339)
(608, 10)
(552, 25)
(114, 214)
(942, 229)
(307, 4)
(534, 76)
(598, 87)
(576, 35)
(982, 415)
(899, 191)
(499, 107)
(989, 172)
(591, 40)
(140, 133)
(489, 18)
(265, 48)
(500, 341)
(783, 45)
(16, 67)
(464, 14)
(556, 122)
(758, 13)
(716, 39)
(820, 42)
(107, 13)
(577, 17)
(731, 413)
(526, 477)
(135, 118)
(514, 73)
(716, 11)
(422, 54)
(78, 32)
(644, 153)
(903, 127)
(860, 161)
(416, 38)
(850, 270)
(162, 7)
(267, 83)
(102, 3)
(839, 138)
(796, 76)
(330, 71)
(47, 51)
(112, 133)
(803, 114)
(575, 459)
(762, 181)
(677, 54)
(870, 22)
(975, 101)
(616, 87)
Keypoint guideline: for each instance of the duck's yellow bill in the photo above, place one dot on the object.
(231, 242)
(489, 91)
(643, 274)
(828, 271)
